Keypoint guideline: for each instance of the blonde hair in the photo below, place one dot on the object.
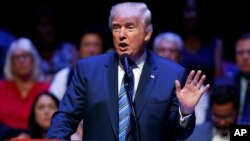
(132, 9)
(27, 45)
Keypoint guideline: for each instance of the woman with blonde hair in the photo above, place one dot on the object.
(21, 85)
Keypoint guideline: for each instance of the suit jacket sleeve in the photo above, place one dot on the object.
(65, 120)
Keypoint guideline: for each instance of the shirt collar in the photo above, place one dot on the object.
(139, 62)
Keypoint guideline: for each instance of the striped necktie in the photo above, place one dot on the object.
(124, 105)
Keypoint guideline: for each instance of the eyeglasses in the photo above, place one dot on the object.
(24, 56)
(170, 50)
(242, 52)
(227, 118)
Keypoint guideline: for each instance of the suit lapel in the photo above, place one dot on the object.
(112, 91)
(146, 83)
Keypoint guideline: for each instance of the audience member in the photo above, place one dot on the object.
(170, 45)
(90, 43)
(21, 85)
(43, 108)
(240, 80)
(202, 49)
(224, 110)
(48, 40)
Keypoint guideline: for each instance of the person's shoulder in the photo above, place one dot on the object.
(42, 85)
(6, 83)
(63, 72)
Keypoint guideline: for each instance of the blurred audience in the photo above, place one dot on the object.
(241, 79)
(224, 111)
(66, 56)
(170, 45)
(202, 49)
(90, 43)
(44, 106)
(5, 40)
(21, 85)
(7, 133)
(56, 54)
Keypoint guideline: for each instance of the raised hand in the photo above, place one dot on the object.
(190, 94)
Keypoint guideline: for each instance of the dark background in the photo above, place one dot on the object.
(226, 19)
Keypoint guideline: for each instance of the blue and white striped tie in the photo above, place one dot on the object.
(124, 112)
(125, 100)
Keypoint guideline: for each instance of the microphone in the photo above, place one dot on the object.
(126, 62)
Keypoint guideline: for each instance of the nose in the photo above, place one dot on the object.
(166, 53)
(246, 55)
(21, 59)
(46, 110)
(222, 122)
(122, 34)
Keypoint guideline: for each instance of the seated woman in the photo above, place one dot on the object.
(44, 106)
(21, 85)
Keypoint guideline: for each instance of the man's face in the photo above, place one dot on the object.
(224, 115)
(90, 44)
(243, 55)
(168, 49)
(129, 36)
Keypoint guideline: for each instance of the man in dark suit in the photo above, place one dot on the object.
(240, 80)
(159, 109)
(224, 111)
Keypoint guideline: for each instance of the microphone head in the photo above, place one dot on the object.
(125, 60)
(123, 56)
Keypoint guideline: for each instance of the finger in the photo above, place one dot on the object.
(190, 77)
(197, 77)
(177, 86)
(201, 81)
(205, 89)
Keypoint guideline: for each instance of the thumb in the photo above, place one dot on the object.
(177, 87)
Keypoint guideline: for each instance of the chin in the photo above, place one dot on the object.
(124, 52)
(224, 132)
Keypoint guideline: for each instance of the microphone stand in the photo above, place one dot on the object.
(130, 100)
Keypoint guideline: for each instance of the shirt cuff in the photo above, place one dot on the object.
(184, 120)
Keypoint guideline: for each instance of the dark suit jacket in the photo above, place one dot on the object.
(234, 81)
(203, 132)
(93, 96)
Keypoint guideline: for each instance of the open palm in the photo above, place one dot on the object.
(190, 94)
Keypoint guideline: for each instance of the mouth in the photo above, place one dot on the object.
(123, 46)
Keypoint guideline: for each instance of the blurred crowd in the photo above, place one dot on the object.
(36, 70)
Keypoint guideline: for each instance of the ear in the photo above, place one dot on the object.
(147, 36)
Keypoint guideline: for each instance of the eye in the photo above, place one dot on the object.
(115, 28)
(131, 28)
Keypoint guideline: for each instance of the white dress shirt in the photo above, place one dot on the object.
(137, 72)
(218, 137)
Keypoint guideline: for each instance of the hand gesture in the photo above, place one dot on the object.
(190, 94)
